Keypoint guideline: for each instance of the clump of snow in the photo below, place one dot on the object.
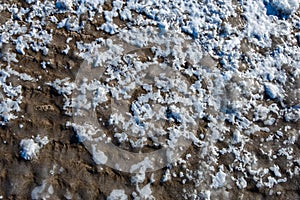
(31, 147)
(10, 94)
(98, 156)
(219, 180)
(30, 1)
(276, 170)
(64, 4)
(281, 8)
(117, 194)
(241, 183)
(71, 24)
(84, 132)
(292, 114)
(109, 28)
(273, 91)
(43, 191)
(140, 170)
(63, 86)
(167, 176)
(144, 193)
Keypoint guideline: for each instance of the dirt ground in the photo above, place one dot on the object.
(65, 162)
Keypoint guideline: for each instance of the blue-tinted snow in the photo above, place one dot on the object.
(281, 8)
(31, 147)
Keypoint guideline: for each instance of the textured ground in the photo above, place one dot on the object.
(66, 169)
